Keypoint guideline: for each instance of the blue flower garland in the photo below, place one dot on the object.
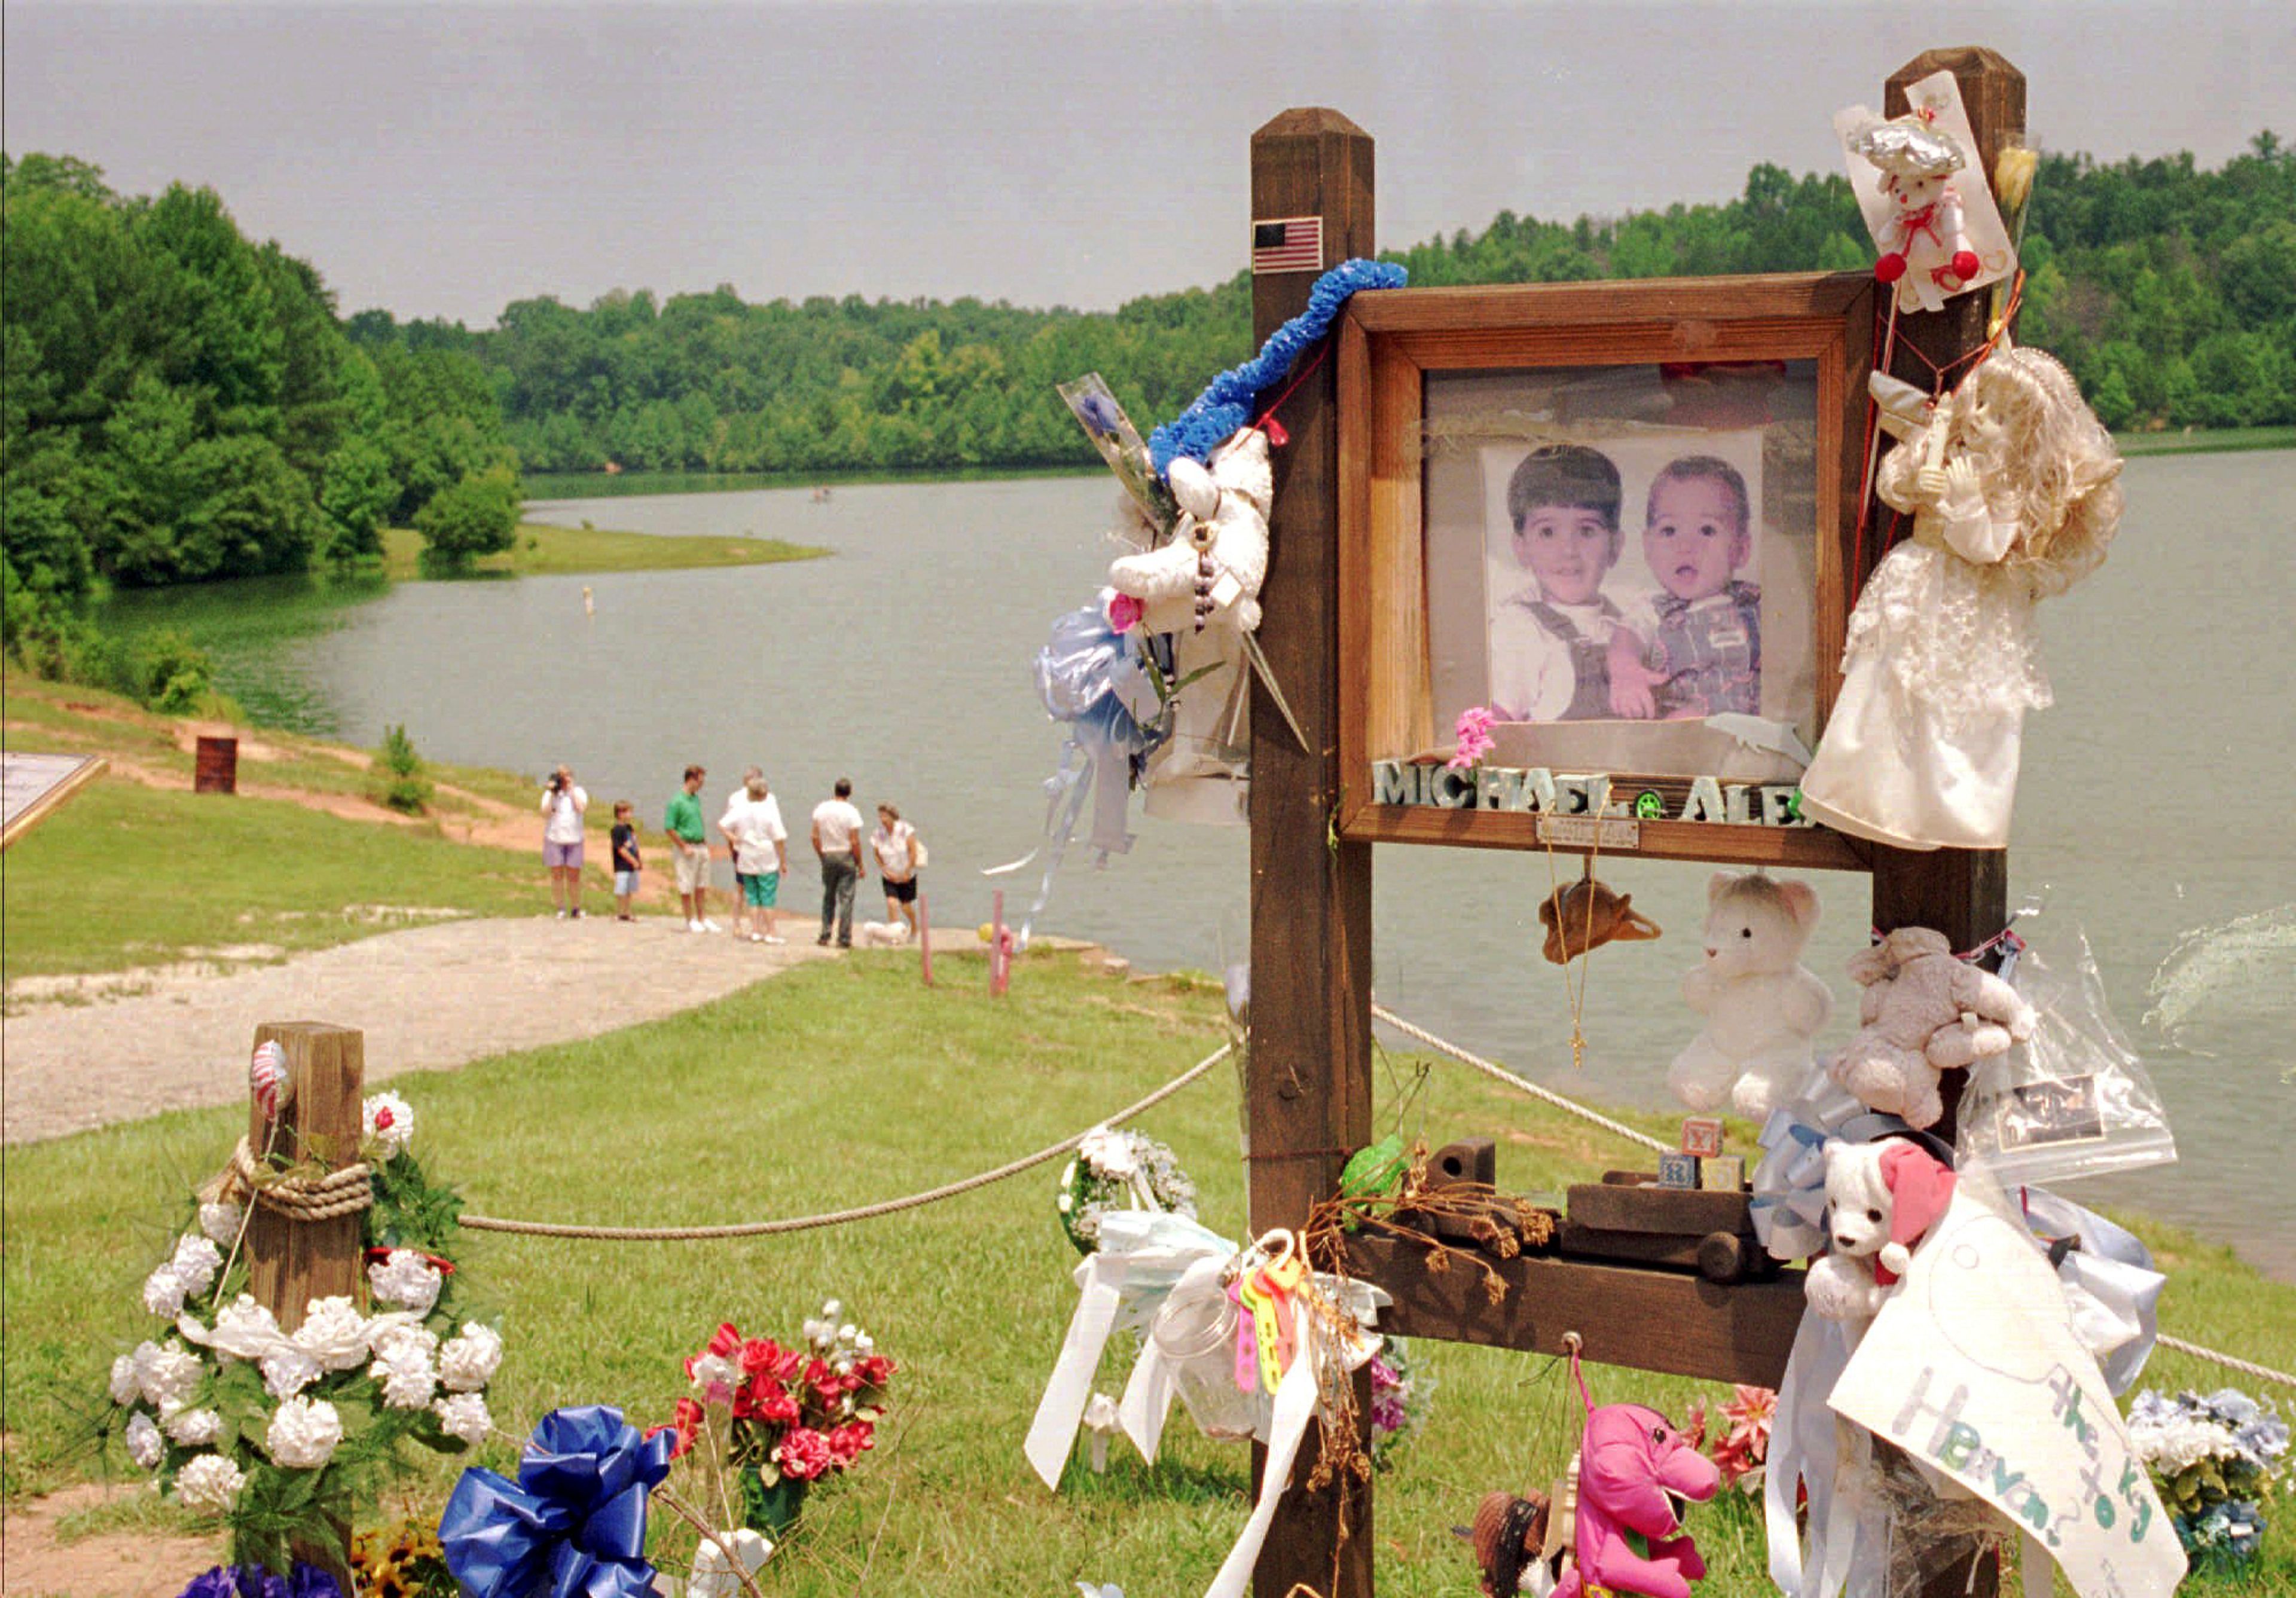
(1225, 405)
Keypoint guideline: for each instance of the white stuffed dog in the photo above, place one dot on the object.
(1761, 1004)
(1882, 1200)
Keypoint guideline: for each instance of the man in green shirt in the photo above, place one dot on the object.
(691, 846)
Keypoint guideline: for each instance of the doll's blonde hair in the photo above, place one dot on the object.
(2058, 468)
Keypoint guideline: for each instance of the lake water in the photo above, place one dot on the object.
(2153, 810)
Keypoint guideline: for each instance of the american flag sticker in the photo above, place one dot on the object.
(1292, 244)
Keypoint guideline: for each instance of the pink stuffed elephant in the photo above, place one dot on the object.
(1637, 1473)
(1925, 1012)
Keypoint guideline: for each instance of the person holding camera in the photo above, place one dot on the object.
(563, 804)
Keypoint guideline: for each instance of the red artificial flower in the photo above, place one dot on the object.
(804, 1454)
(850, 1441)
(762, 1357)
(686, 1420)
(1747, 1442)
(874, 1371)
(774, 1403)
(827, 1385)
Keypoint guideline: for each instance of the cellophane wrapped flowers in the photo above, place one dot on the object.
(2216, 1461)
(775, 1420)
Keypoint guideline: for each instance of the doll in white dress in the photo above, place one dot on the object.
(2010, 485)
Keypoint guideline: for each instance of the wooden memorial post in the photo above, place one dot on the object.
(1309, 1085)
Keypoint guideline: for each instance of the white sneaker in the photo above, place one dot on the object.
(769, 938)
(561, 915)
(755, 936)
(710, 926)
(694, 926)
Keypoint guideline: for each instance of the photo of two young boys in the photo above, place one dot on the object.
(1624, 579)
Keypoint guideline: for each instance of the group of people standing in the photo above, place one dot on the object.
(755, 839)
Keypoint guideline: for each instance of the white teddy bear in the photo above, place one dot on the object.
(1882, 1200)
(1762, 1006)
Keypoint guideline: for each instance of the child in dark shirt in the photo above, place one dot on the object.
(625, 836)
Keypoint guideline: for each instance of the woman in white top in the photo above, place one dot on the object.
(563, 804)
(899, 855)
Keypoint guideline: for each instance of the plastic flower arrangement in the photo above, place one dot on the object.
(1401, 1398)
(282, 1434)
(1118, 1170)
(777, 1420)
(2216, 1461)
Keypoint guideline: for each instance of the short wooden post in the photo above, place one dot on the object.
(1963, 893)
(924, 938)
(290, 1262)
(1000, 956)
(1309, 1083)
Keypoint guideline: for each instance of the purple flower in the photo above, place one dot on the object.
(253, 1581)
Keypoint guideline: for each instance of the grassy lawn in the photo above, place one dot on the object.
(551, 551)
(126, 875)
(837, 1084)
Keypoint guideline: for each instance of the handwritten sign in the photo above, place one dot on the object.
(1972, 1368)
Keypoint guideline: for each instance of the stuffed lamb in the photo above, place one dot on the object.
(1924, 1012)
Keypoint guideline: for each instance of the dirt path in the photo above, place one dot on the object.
(110, 1564)
(428, 998)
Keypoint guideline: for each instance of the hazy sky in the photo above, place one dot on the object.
(445, 159)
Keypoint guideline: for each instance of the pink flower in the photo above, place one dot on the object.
(804, 1454)
(1124, 612)
(1474, 737)
(1747, 1443)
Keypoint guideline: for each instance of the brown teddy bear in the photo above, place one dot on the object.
(1924, 1012)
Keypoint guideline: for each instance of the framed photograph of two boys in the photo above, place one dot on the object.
(1620, 517)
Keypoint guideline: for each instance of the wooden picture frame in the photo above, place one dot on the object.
(1395, 349)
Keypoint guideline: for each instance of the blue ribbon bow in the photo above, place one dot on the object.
(572, 1524)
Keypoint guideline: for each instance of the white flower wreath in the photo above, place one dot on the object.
(1118, 1170)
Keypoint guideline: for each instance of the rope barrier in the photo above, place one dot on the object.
(1521, 1084)
(346, 1191)
(2261, 1373)
(805, 1223)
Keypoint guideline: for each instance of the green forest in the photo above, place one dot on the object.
(2169, 291)
(183, 404)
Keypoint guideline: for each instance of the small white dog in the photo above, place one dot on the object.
(880, 934)
(1882, 1200)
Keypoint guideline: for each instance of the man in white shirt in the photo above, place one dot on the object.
(563, 804)
(837, 840)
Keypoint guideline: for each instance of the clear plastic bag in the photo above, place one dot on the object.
(2076, 1100)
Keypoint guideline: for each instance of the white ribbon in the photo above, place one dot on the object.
(1143, 1255)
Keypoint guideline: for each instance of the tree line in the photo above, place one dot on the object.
(2170, 290)
(182, 404)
